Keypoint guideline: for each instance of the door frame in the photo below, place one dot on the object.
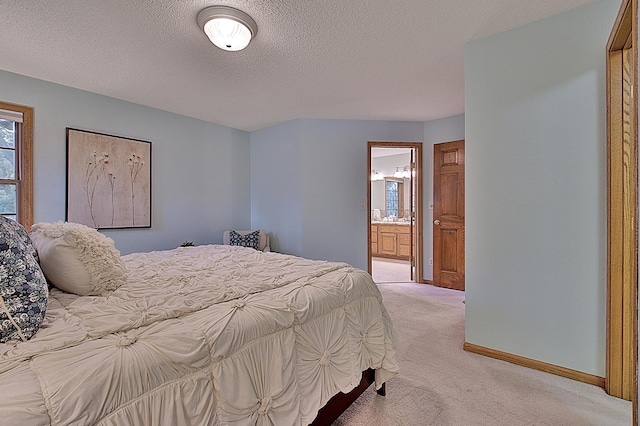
(419, 194)
(622, 208)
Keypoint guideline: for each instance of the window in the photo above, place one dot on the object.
(16, 173)
(393, 197)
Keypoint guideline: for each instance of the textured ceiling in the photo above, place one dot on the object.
(356, 59)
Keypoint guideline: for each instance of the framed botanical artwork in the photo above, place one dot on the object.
(108, 180)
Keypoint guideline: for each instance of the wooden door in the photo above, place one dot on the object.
(448, 215)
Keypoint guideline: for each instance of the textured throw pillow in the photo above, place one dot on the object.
(251, 239)
(78, 259)
(23, 287)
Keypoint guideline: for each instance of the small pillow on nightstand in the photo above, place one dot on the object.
(248, 240)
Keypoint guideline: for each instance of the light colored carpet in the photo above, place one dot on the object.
(441, 384)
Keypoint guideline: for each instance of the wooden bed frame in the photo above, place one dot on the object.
(341, 401)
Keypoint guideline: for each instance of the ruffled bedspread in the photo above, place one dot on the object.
(201, 336)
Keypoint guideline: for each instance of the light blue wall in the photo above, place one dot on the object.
(436, 131)
(322, 167)
(304, 180)
(276, 186)
(535, 189)
(200, 170)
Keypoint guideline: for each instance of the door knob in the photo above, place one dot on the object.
(436, 222)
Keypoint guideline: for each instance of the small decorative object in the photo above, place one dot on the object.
(108, 180)
(187, 244)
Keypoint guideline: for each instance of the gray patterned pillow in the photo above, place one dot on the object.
(23, 287)
(251, 239)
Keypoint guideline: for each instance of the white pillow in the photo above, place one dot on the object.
(78, 259)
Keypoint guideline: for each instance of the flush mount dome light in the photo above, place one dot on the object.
(228, 28)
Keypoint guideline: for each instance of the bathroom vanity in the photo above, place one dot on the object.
(391, 239)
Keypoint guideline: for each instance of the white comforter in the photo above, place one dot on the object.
(201, 335)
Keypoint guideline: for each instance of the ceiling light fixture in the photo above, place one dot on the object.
(228, 28)
(376, 175)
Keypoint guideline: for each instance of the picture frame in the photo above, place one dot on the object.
(108, 180)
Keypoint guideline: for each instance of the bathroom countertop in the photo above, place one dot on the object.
(380, 222)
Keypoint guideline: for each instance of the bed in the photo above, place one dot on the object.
(199, 335)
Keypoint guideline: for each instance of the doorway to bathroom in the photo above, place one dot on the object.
(395, 204)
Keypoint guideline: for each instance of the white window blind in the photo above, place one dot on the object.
(11, 115)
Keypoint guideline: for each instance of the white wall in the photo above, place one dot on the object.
(535, 193)
(387, 165)
(200, 170)
(309, 179)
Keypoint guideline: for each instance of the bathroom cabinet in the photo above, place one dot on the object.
(391, 240)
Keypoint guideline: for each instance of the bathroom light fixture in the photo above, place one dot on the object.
(404, 172)
(228, 28)
(376, 175)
